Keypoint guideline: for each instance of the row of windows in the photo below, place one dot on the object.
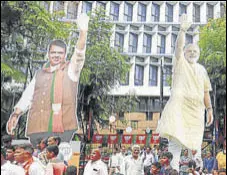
(155, 11)
(72, 10)
(153, 75)
(147, 42)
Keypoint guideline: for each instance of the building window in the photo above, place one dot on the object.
(114, 11)
(133, 41)
(155, 12)
(175, 28)
(173, 42)
(153, 75)
(128, 11)
(119, 41)
(161, 43)
(196, 13)
(223, 10)
(139, 73)
(169, 13)
(149, 116)
(183, 9)
(87, 6)
(210, 11)
(72, 10)
(134, 124)
(142, 10)
(125, 82)
(167, 72)
(189, 39)
(160, 28)
(142, 104)
(153, 105)
(147, 43)
(58, 5)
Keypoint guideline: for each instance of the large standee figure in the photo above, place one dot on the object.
(182, 120)
(51, 95)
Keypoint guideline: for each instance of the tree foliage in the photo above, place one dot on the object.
(103, 70)
(27, 27)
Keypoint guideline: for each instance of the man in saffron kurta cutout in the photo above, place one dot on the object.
(51, 96)
(182, 120)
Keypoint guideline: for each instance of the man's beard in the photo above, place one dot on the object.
(192, 60)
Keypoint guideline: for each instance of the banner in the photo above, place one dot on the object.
(155, 139)
(97, 139)
(112, 139)
(127, 139)
(141, 139)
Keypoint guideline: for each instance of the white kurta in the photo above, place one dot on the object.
(96, 168)
(11, 169)
(134, 167)
(183, 115)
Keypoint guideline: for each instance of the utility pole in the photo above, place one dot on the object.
(161, 84)
(215, 120)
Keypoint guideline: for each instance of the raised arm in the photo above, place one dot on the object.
(180, 42)
(78, 57)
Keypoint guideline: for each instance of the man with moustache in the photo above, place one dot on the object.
(134, 163)
(182, 120)
(51, 96)
(95, 166)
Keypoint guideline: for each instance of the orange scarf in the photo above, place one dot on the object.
(27, 166)
(56, 121)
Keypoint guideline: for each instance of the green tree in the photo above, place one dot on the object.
(103, 69)
(213, 56)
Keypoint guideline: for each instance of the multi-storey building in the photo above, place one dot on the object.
(146, 32)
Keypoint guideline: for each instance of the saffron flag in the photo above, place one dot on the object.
(127, 139)
(141, 139)
(112, 139)
(97, 139)
(155, 139)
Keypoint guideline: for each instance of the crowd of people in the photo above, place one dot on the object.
(27, 159)
(155, 161)
(46, 159)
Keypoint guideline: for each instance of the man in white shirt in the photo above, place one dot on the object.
(148, 159)
(51, 96)
(122, 154)
(23, 156)
(7, 168)
(134, 163)
(198, 160)
(95, 166)
(114, 163)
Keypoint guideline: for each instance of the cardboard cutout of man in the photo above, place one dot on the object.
(51, 96)
(182, 120)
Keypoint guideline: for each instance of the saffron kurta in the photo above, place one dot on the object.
(183, 115)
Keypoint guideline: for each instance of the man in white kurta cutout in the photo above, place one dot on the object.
(182, 120)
